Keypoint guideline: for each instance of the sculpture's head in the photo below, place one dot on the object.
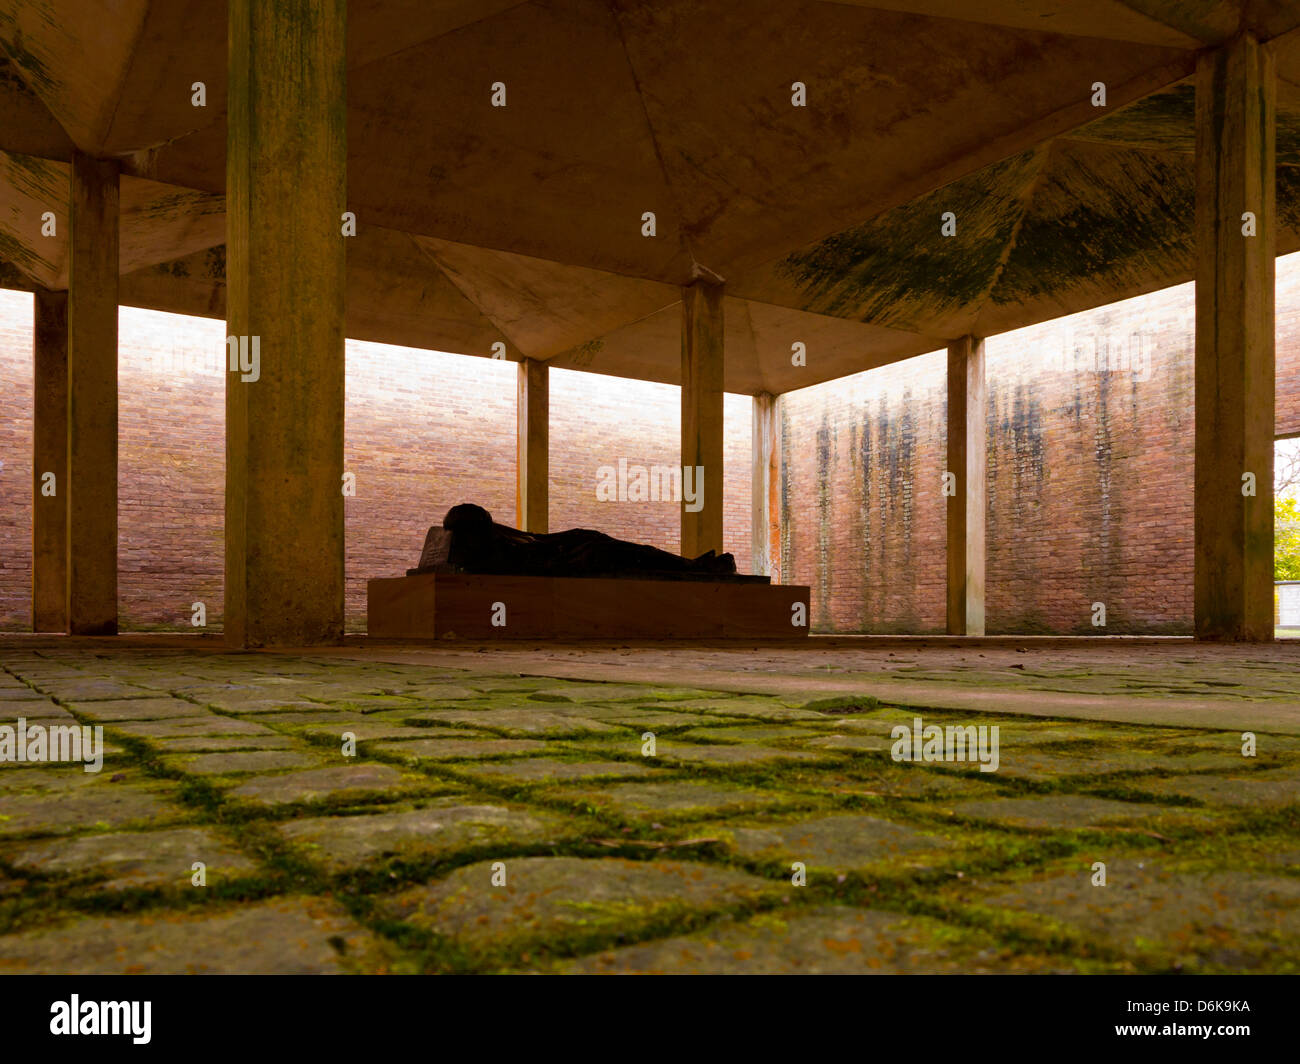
(468, 519)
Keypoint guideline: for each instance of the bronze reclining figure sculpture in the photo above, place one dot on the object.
(469, 541)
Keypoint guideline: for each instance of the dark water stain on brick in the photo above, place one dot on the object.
(787, 512)
(826, 467)
(1014, 514)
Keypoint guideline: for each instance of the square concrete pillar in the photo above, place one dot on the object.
(286, 156)
(1236, 232)
(765, 491)
(92, 397)
(702, 375)
(965, 486)
(532, 455)
(50, 464)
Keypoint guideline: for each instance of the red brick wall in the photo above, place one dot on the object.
(171, 468)
(863, 517)
(1090, 475)
(424, 431)
(595, 421)
(1090, 470)
(15, 459)
(1288, 345)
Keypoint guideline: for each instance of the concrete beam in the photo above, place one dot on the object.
(966, 486)
(285, 177)
(50, 463)
(1235, 372)
(702, 427)
(765, 494)
(92, 398)
(532, 462)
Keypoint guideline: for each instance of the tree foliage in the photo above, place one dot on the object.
(1286, 538)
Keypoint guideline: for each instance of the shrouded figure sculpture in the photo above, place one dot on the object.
(471, 542)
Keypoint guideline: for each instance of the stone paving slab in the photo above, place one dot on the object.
(19, 693)
(433, 695)
(737, 707)
(1070, 812)
(835, 940)
(137, 709)
(976, 849)
(136, 859)
(615, 693)
(651, 718)
(238, 762)
(442, 828)
(110, 806)
(526, 722)
(87, 690)
(450, 749)
(671, 800)
(535, 769)
(713, 754)
(367, 731)
(1221, 917)
(298, 936)
(546, 899)
(838, 843)
(884, 780)
(205, 725)
(872, 744)
(203, 744)
(748, 733)
(319, 783)
(1263, 788)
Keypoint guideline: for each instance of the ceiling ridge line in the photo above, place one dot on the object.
(1010, 27)
(436, 37)
(612, 7)
(753, 343)
(103, 137)
(450, 278)
(1044, 151)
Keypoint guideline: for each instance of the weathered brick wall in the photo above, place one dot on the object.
(15, 459)
(596, 421)
(1090, 468)
(171, 465)
(1288, 345)
(863, 514)
(424, 431)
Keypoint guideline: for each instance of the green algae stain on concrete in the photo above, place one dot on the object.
(899, 270)
(1102, 212)
(1164, 121)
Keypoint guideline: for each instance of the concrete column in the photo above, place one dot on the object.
(50, 456)
(765, 494)
(92, 398)
(1235, 177)
(965, 486)
(532, 464)
(702, 418)
(286, 155)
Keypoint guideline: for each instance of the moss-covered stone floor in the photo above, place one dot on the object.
(491, 820)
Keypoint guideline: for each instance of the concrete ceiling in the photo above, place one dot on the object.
(523, 224)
